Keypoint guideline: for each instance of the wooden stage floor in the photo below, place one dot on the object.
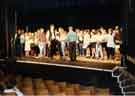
(82, 62)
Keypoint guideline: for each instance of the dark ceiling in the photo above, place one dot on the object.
(27, 6)
(94, 10)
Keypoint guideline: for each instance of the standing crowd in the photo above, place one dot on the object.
(98, 43)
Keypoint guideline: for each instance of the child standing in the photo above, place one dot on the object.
(110, 44)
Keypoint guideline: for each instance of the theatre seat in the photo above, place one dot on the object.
(49, 82)
(39, 83)
(41, 92)
(103, 92)
(27, 86)
(69, 91)
(62, 86)
(54, 89)
(91, 89)
(85, 93)
(40, 87)
(19, 81)
(76, 88)
(9, 94)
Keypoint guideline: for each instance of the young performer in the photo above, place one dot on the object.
(54, 42)
(42, 41)
(110, 44)
(18, 43)
(104, 43)
(80, 39)
(47, 42)
(36, 40)
(27, 44)
(32, 52)
(58, 43)
(62, 40)
(22, 41)
(93, 42)
(86, 42)
(117, 38)
(72, 39)
(77, 43)
(99, 45)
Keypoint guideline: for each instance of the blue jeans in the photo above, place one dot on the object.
(99, 51)
(80, 49)
(63, 48)
(41, 48)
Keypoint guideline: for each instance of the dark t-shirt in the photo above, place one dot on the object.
(117, 35)
(17, 41)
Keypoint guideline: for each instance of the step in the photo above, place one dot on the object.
(129, 89)
(126, 83)
(129, 94)
(117, 71)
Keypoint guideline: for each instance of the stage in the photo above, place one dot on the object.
(81, 63)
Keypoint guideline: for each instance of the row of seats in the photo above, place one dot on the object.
(41, 87)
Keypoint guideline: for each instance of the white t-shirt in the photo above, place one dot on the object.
(36, 41)
(62, 36)
(86, 41)
(22, 39)
(80, 37)
(53, 36)
(104, 36)
(99, 38)
(86, 38)
(93, 39)
(110, 41)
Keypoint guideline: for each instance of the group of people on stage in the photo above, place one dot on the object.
(98, 43)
